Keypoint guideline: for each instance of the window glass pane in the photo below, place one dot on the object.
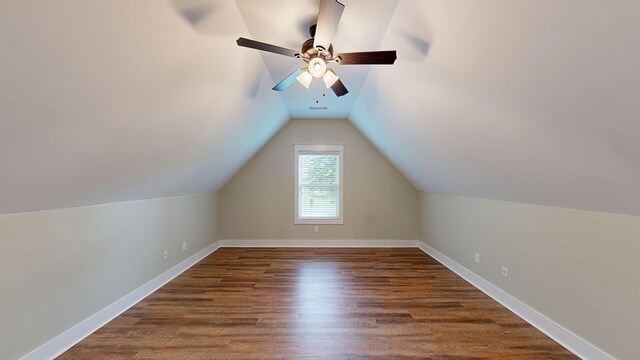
(317, 201)
(318, 169)
(318, 185)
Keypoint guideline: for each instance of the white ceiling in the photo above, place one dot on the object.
(532, 101)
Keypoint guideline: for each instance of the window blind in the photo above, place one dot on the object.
(318, 185)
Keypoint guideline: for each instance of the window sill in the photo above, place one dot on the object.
(318, 222)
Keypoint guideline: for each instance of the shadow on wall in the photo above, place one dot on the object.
(207, 17)
(415, 31)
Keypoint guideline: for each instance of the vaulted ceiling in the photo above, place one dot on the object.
(531, 101)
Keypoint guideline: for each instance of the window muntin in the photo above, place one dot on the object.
(318, 182)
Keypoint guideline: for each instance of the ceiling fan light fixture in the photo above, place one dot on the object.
(305, 78)
(317, 67)
(330, 78)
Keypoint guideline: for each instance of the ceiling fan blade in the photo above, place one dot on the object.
(339, 88)
(282, 85)
(367, 58)
(328, 19)
(266, 47)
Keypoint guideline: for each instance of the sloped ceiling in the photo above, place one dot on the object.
(527, 101)
(531, 101)
(104, 101)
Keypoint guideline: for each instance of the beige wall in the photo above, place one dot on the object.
(58, 267)
(579, 268)
(379, 203)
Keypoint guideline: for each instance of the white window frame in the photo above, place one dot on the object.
(319, 149)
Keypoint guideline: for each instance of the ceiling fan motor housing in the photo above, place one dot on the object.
(309, 52)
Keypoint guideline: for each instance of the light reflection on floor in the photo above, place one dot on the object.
(321, 302)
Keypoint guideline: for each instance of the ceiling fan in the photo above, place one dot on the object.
(317, 52)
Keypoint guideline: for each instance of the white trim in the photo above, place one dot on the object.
(318, 243)
(74, 335)
(566, 338)
(305, 149)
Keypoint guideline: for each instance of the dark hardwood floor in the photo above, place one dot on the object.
(325, 303)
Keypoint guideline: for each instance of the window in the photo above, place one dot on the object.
(318, 182)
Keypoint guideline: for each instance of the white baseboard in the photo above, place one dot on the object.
(566, 338)
(67, 339)
(317, 243)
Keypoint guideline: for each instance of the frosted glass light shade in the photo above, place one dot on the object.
(305, 78)
(330, 78)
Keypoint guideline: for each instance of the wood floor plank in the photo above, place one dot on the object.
(304, 303)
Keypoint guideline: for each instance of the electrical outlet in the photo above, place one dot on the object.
(477, 258)
(166, 254)
(505, 271)
(184, 245)
(316, 229)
